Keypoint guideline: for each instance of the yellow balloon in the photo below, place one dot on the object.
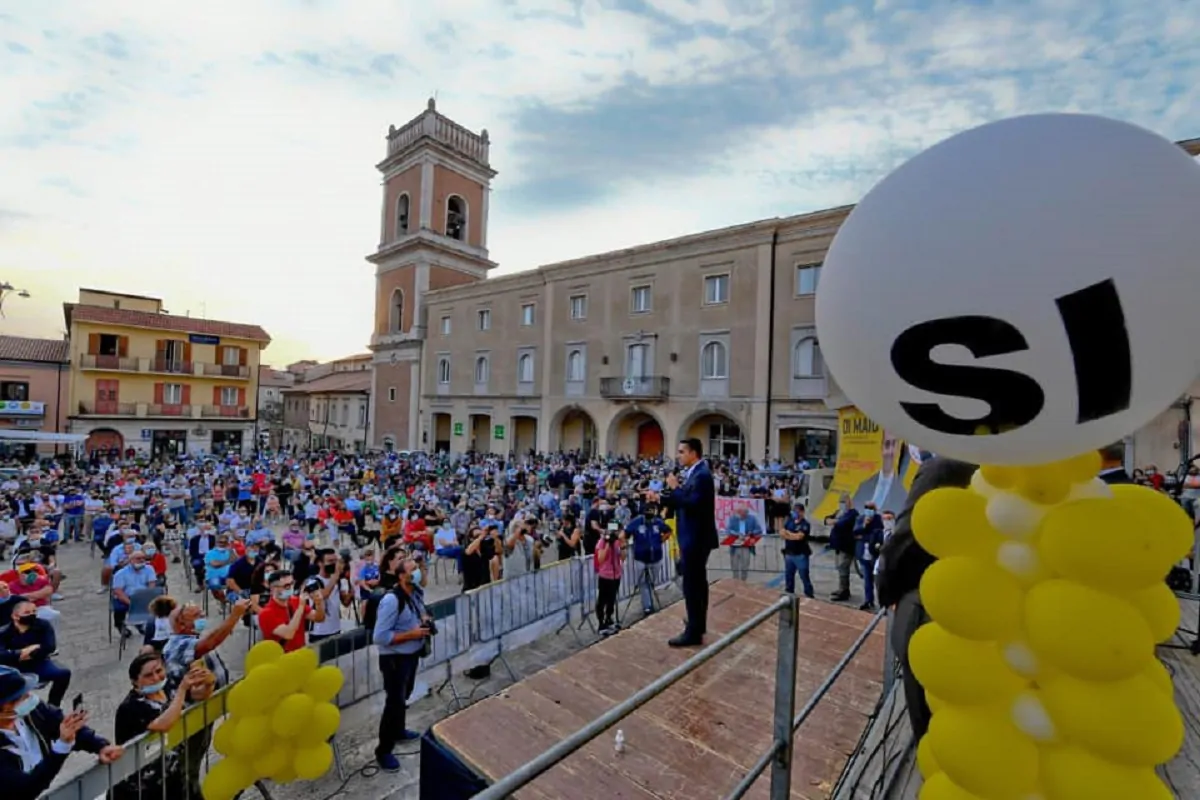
(321, 725)
(1087, 633)
(285, 775)
(1158, 674)
(1160, 519)
(1045, 485)
(926, 762)
(223, 737)
(981, 751)
(1072, 773)
(238, 700)
(959, 670)
(1159, 607)
(999, 476)
(953, 522)
(295, 668)
(1132, 721)
(291, 715)
(939, 787)
(251, 736)
(265, 652)
(934, 702)
(972, 599)
(265, 684)
(273, 760)
(1082, 467)
(226, 778)
(313, 762)
(324, 684)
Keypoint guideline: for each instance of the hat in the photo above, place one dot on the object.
(14, 685)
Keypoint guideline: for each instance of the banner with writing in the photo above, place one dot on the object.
(727, 507)
(872, 466)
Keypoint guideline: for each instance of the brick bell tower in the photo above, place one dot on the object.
(432, 235)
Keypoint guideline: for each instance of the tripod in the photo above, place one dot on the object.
(645, 581)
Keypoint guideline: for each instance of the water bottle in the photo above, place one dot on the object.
(619, 742)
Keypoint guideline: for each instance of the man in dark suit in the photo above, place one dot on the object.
(1112, 464)
(693, 499)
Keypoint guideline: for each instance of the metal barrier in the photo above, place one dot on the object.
(778, 756)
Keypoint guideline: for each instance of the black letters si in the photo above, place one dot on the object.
(1099, 341)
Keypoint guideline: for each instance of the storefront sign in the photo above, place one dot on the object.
(22, 408)
(498, 433)
(203, 338)
(147, 434)
(458, 429)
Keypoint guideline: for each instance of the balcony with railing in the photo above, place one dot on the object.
(173, 366)
(223, 370)
(168, 410)
(113, 363)
(107, 408)
(646, 387)
(227, 412)
(442, 130)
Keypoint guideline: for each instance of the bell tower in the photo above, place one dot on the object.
(432, 235)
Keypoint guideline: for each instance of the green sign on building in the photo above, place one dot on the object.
(458, 429)
(498, 433)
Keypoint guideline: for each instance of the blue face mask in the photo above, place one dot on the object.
(200, 625)
(154, 688)
(416, 576)
(26, 706)
(868, 513)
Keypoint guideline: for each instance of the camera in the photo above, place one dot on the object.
(313, 584)
(430, 626)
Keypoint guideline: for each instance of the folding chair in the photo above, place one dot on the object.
(139, 612)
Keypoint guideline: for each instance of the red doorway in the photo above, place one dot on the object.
(649, 440)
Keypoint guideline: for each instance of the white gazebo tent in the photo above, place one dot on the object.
(16, 436)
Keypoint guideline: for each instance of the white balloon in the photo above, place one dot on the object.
(1032, 719)
(980, 300)
(1014, 516)
(1095, 488)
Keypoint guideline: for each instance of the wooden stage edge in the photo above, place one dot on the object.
(699, 738)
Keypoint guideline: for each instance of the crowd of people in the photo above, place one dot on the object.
(302, 547)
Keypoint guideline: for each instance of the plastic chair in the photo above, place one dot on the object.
(139, 612)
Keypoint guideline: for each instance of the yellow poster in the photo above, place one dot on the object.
(873, 466)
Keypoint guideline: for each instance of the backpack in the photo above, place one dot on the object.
(371, 612)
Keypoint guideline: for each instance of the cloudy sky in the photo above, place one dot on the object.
(220, 155)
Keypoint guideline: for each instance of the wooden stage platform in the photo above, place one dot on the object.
(699, 738)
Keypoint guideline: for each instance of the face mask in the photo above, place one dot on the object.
(870, 512)
(283, 595)
(251, 555)
(310, 537)
(329, 569)
(138, 567)
(29, 577)
(154, 688)
(200, 625)
(26, 706)
(27, 619)
(151, 552)
(416, 576)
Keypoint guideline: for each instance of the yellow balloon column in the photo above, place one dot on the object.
(281, 717)
(1047, 599)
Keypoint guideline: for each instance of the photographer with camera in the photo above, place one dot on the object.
(599, 518)
(609, 563)
(283, 619)
(522, 549)
(648, 531)
(401, 630)
(484, 544)
(569, 533)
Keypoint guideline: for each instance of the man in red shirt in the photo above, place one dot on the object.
(282, 620)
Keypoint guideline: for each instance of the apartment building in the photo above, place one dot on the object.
(329, 405)
(158, 384)
(33, 391)
(711, 335)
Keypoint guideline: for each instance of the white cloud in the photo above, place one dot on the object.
(226, 163)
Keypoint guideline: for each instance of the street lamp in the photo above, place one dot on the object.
(7, 289)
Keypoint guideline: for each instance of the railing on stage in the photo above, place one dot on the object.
(786, 721)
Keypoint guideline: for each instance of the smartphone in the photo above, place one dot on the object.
(77, 702)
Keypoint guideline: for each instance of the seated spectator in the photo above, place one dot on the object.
(29, 579)
(445, 544)
(38, 738)
(216, 566)
(27, 643)
(150, 707)
(127, 582)
(293, 540)
(157, 562)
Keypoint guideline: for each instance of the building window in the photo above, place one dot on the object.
(109, 345)
(639, 299)
(362, 415)
(525, 368)
(716, 289)
(173, 394)
(391, 394)
(456, 217)
(713, 361)
(575, 365)
(807, 278)
(485, 319)
(806, 359)
(231, 357)
(14, 390)
(402, 215)
(637, 360)
(579, 306)
(445, 326)
(229, 395)
(443, 370)
(481, 369)
(396, 314)
(345, 413)
(527, 314)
